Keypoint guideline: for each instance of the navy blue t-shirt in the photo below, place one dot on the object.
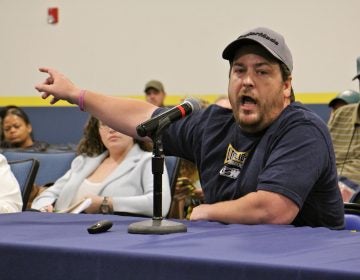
(293, 157)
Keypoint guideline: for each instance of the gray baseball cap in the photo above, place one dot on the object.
(269, 39)
(348, 96)
(358, 68)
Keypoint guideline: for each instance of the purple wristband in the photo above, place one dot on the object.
(81, 100)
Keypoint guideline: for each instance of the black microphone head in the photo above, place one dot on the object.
(161, 121)
(194, 103)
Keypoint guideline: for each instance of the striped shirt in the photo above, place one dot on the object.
(344, 126)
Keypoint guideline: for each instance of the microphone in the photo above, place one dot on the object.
(172, 115)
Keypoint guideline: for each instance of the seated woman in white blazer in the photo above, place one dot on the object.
(112, 169)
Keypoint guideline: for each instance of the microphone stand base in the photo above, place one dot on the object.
(156, 227)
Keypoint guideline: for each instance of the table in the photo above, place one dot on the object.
(58, 246)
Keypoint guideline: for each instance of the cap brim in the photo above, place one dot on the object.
(356, 77)
(332, 102)
(229, 51)
(152, 87)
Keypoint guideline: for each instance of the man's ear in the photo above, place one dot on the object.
(287, 87)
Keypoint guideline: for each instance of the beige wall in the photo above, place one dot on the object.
(115, 46)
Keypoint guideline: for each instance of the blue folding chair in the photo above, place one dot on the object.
(352, 222)
(25, 173)
(172, 165)
(352, 216)
(53, 164)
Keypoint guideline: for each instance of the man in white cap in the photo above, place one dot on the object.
(343, 98)
(269, 160)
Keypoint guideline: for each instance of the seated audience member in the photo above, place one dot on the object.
(16, 130)
(269, 160)
(113, 170)
(187, 193)
(344, 127)
(155, 93)
(343, 98)
(344, 131)
(10, 195)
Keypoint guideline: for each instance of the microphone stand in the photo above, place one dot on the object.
(157, 225)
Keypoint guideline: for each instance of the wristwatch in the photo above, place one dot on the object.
(105, 207)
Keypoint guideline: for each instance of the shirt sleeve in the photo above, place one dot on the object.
(296, 162)
(182, 137)
(10, 194)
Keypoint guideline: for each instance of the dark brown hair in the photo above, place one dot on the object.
(91, 144)
(285, 73)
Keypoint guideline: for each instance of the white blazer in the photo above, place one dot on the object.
(10, 195)
(130, 185)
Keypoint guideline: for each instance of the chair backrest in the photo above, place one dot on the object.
(172, 165)
(352, 208)
(25, 173)
(355, 198)
(352, 216)
(352, 222)
(53, 164)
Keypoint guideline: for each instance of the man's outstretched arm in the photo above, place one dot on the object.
(122, 114)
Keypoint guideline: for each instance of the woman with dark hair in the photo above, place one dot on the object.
(112, 169)
(16, 130)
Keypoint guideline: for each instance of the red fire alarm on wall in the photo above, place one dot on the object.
(53, 15)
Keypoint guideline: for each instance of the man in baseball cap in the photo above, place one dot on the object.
(272, 41)
(269, 160)
(155, 93)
